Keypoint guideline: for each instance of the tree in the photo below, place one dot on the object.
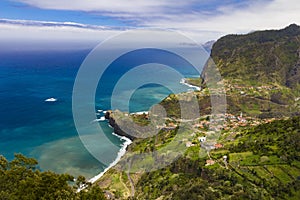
(20, 179)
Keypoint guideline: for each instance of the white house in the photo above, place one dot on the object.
(202, 139)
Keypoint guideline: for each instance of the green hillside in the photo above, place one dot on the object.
(260, 72)
(263, 57)
(258, 154)
(263, 163)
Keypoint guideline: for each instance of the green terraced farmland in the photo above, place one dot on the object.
(278, 173)
(292, 171)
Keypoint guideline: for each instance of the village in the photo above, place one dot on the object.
(205, 129)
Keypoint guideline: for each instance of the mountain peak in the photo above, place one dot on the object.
(268, 57)
(293, 26)
(291, 30)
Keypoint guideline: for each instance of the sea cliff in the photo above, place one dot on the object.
(115, 126)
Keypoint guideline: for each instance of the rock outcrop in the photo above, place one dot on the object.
(117, 129)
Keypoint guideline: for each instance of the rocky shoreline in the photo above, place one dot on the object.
(116, 128)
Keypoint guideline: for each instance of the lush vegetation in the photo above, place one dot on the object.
(20, 179)
(263, 57)
(260, 72)
(261, 76)
(262, 79)
(263, 163)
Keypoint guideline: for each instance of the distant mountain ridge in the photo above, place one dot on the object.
(267, 57)
(208, 45)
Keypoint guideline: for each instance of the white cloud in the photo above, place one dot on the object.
(190, 16)
(110, 6)
(20, 34)
(57, 24)
(257, 15)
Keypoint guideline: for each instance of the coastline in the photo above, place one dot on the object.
(121, 153)
(184, 82)
(123, 136)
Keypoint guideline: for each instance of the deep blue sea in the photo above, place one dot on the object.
(45, 130)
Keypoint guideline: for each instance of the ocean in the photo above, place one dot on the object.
(45, 130)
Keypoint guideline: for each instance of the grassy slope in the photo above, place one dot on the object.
(261, 80)
(256, 170)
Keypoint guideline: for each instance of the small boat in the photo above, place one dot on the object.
(51, 99)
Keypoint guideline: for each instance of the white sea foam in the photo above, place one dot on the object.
(127, 142)
(101, 119)
(51, 99)
(120, 154)
(140, 113)
(99, 111)
(183, 81)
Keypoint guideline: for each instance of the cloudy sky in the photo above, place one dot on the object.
(95, 20)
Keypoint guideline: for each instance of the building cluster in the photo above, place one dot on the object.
(243, 89)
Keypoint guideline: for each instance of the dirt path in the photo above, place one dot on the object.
(130, 180)
(131, 184)
(125, 186)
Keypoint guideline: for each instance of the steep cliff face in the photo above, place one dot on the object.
(262, 57)
(260, 71)
(261, 77)
(116, 127)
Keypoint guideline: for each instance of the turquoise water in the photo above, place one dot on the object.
(45, 130)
